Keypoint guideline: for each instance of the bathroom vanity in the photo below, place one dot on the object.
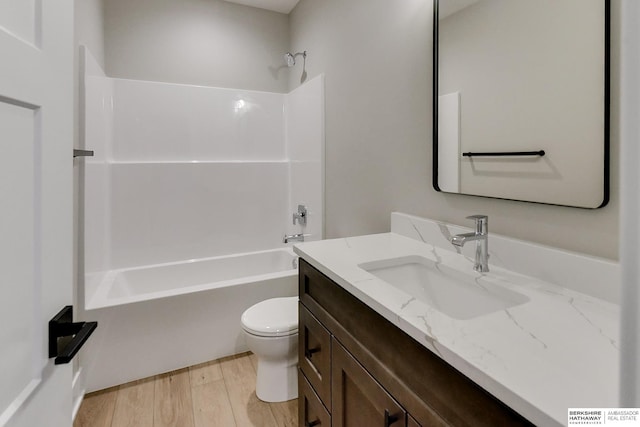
(355, 365)
(373, 352)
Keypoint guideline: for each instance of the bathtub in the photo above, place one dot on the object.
(160, 318)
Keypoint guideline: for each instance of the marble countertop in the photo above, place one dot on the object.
(557, 351)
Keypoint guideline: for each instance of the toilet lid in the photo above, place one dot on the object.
(273, 317)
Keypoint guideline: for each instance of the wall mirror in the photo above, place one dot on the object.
(522, 105)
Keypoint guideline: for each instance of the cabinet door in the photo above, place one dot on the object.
(357, 398)
(311, 412)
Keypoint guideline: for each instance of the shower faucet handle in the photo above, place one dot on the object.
(301, 215)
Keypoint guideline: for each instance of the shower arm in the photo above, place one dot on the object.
(291, 57)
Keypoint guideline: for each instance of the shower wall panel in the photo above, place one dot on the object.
(170, 122)
(304, 118)
(98, 129)
(164, 212)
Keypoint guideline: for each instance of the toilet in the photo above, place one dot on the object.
(271, 332)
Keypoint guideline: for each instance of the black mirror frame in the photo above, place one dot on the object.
(607, 111)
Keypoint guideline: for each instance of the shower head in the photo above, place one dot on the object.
(291, 61)
(291, 58)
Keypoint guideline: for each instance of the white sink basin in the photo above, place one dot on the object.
(452, 292)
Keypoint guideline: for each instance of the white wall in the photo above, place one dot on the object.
(89, 27)
(630, 239)
(201, 42)
(376, 57)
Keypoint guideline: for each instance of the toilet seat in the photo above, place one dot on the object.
(274, 317)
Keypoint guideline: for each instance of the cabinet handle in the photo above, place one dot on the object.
(389, 419)
(312, 423)
(308, 353)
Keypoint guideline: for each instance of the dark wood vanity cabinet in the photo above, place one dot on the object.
(358, 369)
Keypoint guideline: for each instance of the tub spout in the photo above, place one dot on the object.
(293, 238)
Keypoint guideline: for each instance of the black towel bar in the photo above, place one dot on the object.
(505, 153)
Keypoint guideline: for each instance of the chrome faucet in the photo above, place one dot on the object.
(481, 237)
(293, 238)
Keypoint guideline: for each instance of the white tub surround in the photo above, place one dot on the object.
(129, 285)
(189, 172)
(558, 348)
(189, 196)
(161, 318)
(304, 129)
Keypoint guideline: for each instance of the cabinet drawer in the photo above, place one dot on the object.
(314, 354)
(316, 290)
(311, 412)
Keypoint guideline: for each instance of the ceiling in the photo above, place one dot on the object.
(282, 6)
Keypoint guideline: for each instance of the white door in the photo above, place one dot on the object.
(36, 132)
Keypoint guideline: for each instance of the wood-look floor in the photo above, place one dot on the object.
(218, 393)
